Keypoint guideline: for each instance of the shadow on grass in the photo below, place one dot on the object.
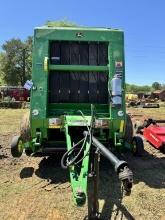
(147, 169)
(50, 169)
(110, 192)
(26, 172)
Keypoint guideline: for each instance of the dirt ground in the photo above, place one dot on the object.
(37, 188)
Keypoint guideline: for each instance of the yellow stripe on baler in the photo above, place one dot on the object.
(122, 126)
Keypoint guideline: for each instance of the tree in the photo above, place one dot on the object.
(61, 23)
(156, 86)
(16, 61)
(163, 86)
(131, 88)
(1, 72)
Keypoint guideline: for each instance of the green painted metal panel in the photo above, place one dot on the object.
(79, 68)
(39, 96)
(39, 78)
(77, 120)
(78, 178)
(71, 34)
(72, 108)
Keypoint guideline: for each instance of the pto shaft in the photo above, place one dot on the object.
(121, 167)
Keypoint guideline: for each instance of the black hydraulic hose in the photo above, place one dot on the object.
(89, 129)
(75, 158)
(84, 140)
(82, 157)
(88, 134)
(70, 151)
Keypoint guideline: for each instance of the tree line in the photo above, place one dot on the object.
(16, 66)
(16, 62)
(131, 88)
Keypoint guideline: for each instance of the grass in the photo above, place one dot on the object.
(146, 201)
(10, 120)
(154, 113)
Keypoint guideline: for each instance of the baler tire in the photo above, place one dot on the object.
(16, 146)
(28, 152)
(128, 129)
(25, 127)
(138, 146)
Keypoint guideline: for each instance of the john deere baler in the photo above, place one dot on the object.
(77, 104)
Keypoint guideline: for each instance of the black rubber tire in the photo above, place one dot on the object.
(138, 146)
(137, 126)
(15, 151)
(28, 152)
(163, 149)
(25, 128)
(128, 129)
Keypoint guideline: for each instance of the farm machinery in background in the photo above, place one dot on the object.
(141, 101)
(77, 106)
(13, 96)
(153, 132)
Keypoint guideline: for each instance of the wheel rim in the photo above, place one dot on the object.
(20, 147)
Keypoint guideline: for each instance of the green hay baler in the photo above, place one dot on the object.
(78, 105)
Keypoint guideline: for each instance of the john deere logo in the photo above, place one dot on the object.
(79, 34)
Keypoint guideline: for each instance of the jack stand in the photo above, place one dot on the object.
(93, 204)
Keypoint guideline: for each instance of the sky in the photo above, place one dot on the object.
(143, 22)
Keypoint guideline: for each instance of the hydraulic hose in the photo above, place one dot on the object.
(70, 151)
(84, 140)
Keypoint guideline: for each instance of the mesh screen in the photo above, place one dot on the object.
(78, 53)
(78, 87)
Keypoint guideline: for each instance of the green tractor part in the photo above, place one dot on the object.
(77, 105)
